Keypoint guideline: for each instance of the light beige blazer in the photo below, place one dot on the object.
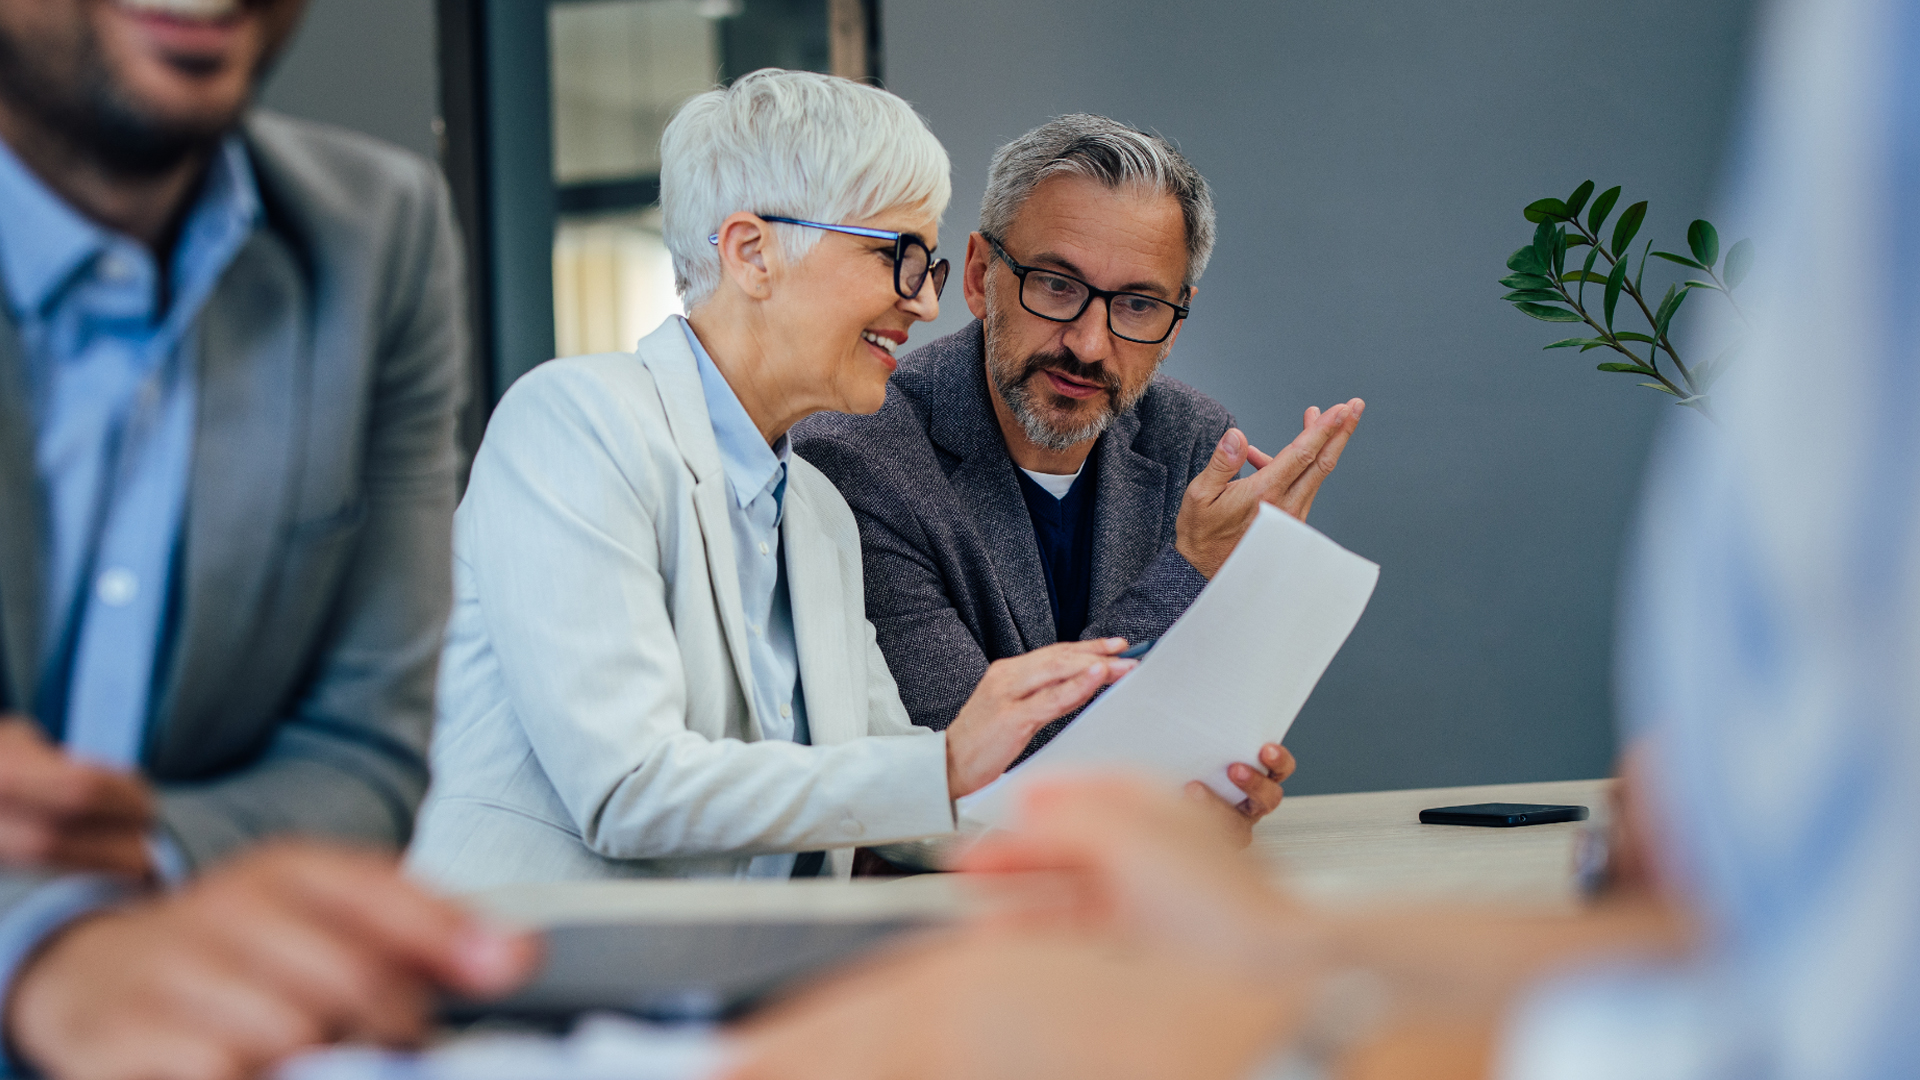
(593, 718)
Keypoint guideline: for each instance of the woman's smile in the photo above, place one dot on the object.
(882, 343)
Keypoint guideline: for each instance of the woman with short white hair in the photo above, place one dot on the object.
(659, 662)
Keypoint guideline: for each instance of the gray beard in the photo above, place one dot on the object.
(1016, 389)
(1019, 397)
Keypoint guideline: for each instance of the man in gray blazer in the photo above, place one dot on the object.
(231, 358)
(1032, 478)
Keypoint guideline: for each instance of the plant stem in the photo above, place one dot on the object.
(1628, 287)
(1614, 343)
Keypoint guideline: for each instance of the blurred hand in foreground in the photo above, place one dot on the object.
(57, 813)
(1137, 862)
(1018, 1005)
(288, 948)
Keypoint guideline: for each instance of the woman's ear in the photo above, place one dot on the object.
(745, 254)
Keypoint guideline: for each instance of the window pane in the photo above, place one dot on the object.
(620, 68)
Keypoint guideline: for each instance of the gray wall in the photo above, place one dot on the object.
(1369, 160)
(365, 64)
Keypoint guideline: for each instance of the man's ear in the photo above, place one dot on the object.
(1192, 291)
(973, 275)
(745, 256)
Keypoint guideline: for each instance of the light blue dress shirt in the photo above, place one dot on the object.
(757, 475)
(107, 335)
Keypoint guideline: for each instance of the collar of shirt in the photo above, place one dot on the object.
(752, 466)
(47, 245)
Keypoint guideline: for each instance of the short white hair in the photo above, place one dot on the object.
(794, 144)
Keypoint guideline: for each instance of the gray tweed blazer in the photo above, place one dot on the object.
(952, 569)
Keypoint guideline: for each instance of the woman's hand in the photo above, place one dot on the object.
(1016, 697)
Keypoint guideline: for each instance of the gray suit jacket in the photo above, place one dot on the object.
(314, 577)
(952, 568)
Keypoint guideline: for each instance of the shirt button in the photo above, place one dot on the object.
(786, 710)
(116, 587)
(115, 267)
(763, 547)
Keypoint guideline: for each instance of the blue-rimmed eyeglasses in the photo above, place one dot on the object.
(912, 259)
(1059, 297)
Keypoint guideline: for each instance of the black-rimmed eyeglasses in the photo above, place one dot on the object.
(912, 259)
(1059, 297)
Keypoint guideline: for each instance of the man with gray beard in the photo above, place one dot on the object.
(1032, 478)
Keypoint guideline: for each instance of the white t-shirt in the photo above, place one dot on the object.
(1055, 484)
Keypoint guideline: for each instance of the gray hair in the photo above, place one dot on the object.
(795, 144)
(1116, 155)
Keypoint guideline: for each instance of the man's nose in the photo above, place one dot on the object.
(1088, 337)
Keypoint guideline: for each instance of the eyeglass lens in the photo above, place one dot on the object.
(912, 268)
(1129, 315)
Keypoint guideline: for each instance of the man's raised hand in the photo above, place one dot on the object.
(1217, 508)
(57, 813)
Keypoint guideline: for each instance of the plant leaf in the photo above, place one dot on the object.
(1598, 343)
(1628, 335)
(1567, 343)
(1527, 281)
(1545, 210)
(1543, 245)
(1546, 295)
(1694, 283)
(1545, 313)
(1578, 199)
(1637, 369)
(1668, 305)
(1527, 261)
(1709, 373)
(1586, 275)
(1628, 227)
(1602, 206)
(1576, 240)
(1614, 282)
(1657, 386)
(1739, 261)
(1681, 259)
(1704, 242)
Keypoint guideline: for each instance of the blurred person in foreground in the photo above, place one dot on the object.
(231, 355)
(659, 664)
(1034, 477)
(1770, 694)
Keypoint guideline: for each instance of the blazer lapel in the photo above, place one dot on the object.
(22, 575)
(670, 359)
(1128, 506)
(819, 599)
(963, 423)
(254, 362)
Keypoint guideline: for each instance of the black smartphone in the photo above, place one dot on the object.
(1501, 815)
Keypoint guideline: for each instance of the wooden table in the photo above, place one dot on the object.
(1370, 847)
(1343, 850)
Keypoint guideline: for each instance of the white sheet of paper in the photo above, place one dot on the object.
(1227, 677)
